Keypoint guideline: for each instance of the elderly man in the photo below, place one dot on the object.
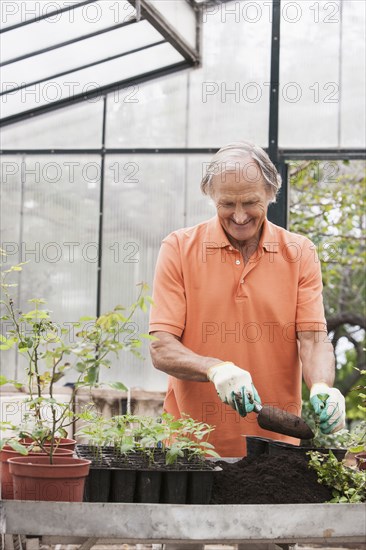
(238, 311)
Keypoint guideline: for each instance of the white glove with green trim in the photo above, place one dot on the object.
(234, 387)
(329, 404)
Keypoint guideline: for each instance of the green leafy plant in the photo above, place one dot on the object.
(347, 484)
(101, 432)
(189, 437)
(175, 438)
(50, 352)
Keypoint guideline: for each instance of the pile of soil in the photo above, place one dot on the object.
(266, 479)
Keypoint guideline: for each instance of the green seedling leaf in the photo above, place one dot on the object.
(212, 453)
(22, 346)
(92, 375)
(357, 449)
(118, 386)
(5, 347)
(18, 447)
(3, 380)
(36, 314)
(6, 343)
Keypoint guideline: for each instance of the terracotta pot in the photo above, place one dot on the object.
(361, 460)
(5, 477)
(62, 443)
(34, 478)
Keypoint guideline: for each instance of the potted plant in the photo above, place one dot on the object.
(13, 448)
(49, 353)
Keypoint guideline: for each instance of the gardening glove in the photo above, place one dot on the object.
(328, 403)
(234, 387)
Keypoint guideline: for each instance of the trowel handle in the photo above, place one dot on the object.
(257, 406)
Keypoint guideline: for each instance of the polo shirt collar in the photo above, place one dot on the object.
(268, 237)
(216, 236)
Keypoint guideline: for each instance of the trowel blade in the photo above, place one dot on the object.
(276, 420)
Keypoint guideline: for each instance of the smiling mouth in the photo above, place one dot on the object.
(241, 224)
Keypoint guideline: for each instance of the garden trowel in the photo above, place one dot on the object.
(276, 420)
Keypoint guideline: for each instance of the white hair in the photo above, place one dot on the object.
(232, 156)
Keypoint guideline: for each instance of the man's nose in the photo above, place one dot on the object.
(240, 215)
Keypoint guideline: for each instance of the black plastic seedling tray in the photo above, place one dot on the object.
(132, 478)
(261, 445)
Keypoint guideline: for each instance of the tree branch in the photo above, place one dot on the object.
(346, 318)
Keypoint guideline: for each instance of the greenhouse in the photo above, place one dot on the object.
(191, 337)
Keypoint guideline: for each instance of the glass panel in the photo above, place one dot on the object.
(309, 78)
(229, 95)
(78, 126)
(143, 202)
(10, 231)
(90, 79)
(199, 206)
(353, 76)
(59, 233)
(13, 12)
(79, 54)
(129, 114)
(63, 27)
(181, 16)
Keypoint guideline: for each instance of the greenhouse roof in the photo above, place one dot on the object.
(58, 53)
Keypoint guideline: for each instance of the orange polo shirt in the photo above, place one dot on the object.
(248, 314)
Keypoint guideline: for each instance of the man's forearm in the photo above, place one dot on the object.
(317, 358)
(171, 356)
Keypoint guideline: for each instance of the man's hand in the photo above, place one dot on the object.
(234, 386)
(328, 403)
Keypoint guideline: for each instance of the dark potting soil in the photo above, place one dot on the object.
(265, 479)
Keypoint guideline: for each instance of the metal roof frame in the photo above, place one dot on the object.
(149, 13)
(95, 93)
(46, 16)
(144, 11)
(67, 43)
(284, 155)
(86, 66)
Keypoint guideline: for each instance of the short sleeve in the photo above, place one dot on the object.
(310, 309)
(168, 312)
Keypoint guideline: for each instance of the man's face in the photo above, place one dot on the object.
(242, 202)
